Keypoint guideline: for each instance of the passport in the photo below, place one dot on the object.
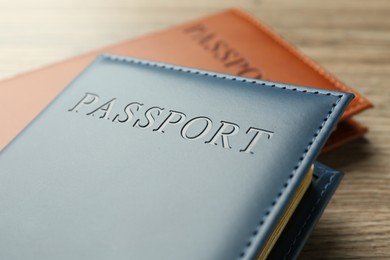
(229, 42)
(142, 160)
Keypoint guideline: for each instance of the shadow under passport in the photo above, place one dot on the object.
(347, 154)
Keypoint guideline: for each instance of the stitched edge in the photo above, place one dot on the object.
(353, 107)
(232, 78)
(299, 233)
(256, 231)
(214, 75)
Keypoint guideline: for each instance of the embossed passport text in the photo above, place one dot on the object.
(143, 160)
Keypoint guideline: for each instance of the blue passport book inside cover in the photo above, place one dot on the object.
(143, 160)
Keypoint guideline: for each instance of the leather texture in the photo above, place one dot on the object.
(229, 42)
(97, 185)
(307, 214)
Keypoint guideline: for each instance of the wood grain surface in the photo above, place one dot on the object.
(351, 38)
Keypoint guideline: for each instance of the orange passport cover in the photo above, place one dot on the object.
(229, 42)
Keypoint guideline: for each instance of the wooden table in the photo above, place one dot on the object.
(350, 38)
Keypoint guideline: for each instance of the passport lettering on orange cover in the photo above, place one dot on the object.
(230, 42)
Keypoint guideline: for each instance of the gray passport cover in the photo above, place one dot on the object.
(143, 160)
